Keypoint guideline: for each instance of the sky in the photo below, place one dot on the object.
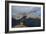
(26, 9)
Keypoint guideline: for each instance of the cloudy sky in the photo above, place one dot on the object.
(26, 9)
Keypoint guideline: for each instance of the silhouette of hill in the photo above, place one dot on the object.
(30, 22)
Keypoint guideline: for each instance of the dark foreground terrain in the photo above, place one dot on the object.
(30, 22)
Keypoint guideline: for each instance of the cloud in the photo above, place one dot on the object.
(26, 9)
